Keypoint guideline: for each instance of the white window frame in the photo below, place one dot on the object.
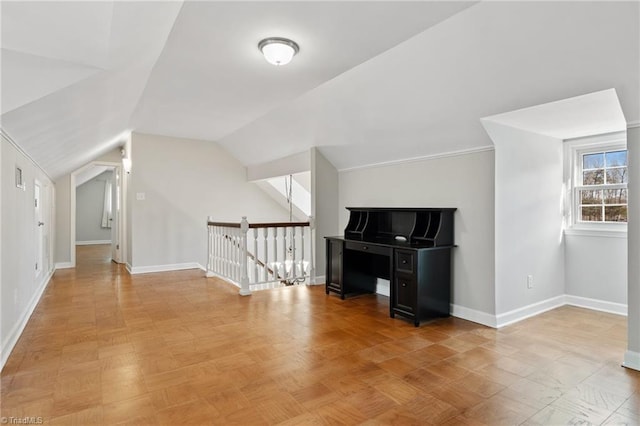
(574, 149)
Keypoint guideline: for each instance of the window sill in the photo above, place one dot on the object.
(620, 232)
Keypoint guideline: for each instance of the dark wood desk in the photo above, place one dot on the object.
(409, 247)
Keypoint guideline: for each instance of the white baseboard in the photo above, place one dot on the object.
(528, 311)
(596, 305)
(632, 360)
(320, 280)
(133, 270)
(10, 341)
(64, 265)
(383, 287)
(92, 242)
(473, 315)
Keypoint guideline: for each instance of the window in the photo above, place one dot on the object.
(596, 177)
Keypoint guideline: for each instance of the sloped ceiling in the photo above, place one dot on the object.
(374, 81)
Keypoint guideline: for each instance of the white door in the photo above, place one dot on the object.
(39, 224)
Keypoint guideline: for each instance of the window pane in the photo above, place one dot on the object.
(617, 175)
(615, 213)
(616, 158)
(591, 197)
(593, 161)
(614, 196)
(592, 214)
(593, 177)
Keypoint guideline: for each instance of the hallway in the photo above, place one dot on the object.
(104, 347)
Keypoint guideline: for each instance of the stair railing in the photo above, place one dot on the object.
(255, 256)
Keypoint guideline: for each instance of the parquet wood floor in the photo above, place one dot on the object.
(103, 347)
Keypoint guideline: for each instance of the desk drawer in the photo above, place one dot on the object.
(370, 248)
(405, 261)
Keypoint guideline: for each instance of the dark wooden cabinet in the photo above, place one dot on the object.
(334, 266)
(409, 247)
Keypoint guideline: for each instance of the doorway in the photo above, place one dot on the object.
(96, 208)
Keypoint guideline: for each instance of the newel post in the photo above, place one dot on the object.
(244, 275)
(312, 232)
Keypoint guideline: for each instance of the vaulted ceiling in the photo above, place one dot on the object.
(373, 82)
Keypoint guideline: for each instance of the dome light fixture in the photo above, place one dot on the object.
(277, 50)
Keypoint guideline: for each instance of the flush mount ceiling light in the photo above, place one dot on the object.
(277, 50)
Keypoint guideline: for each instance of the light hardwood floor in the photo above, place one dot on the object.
(103, 347)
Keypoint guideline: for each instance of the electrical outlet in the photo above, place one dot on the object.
(529, 281)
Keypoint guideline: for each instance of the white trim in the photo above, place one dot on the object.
(64, 265)
(596, 305)
(572, 169)
(92, 242)
(473, 315)
(211, 274)
(529, 311)
(133, 270)
(320, 280)
(22, 151)
(632, 124)
(422, 158)
(10, 341)
(604, 233)
(128, 267)
(632, 360)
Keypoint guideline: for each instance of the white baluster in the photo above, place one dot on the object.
(236, 256)
(218, 251)
(244, 280)
(294, 272)
(209, 248)
(275, 254)
(284, 251)
(265, 269)
(302, 241)
(312, 233)
(255, 255)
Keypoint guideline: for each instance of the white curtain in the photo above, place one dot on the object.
(106, 209)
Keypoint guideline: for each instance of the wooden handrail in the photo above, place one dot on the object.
(260, 225)
(225, 224)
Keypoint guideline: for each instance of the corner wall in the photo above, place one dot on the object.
(174, 185)
(462, 181)
(324, 205)
(21, 289)
(632, 356)
(529, 218)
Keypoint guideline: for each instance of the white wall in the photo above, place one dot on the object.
(184, 181)
(21, 288)
(63, 211)
(632, 357)
(89, 205)
(461, 181)
(324, 205)
(528, 217)
(596, 267)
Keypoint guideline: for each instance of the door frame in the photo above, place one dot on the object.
(121, 232)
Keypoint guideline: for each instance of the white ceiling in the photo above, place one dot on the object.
(374, 81)
(592, 114)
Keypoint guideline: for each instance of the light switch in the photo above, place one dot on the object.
(140, 196)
